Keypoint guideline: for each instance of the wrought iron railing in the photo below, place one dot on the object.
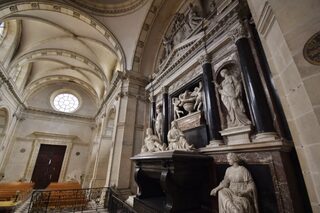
(115, 204)
(78, 200)
(73, 200)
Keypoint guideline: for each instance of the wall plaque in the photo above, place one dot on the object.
(311, 50)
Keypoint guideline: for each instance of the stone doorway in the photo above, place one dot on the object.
(48, 165)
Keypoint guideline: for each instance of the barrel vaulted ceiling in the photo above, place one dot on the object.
(61, 41)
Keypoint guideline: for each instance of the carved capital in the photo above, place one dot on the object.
(164, 89)
(152, 98)
(238, 33)
(119, 96)
(204, 59)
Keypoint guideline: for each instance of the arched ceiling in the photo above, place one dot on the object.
(59, 41)
(108, 7)
(65, 40)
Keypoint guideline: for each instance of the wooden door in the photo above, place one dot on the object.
(48, 165)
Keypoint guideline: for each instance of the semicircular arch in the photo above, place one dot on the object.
(44, 82)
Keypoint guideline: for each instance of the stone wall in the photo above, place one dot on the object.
(284, 28)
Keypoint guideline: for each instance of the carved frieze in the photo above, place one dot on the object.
(189, 122)
(185, 79)
(238, 33)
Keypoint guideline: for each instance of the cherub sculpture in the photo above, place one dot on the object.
(176, 104)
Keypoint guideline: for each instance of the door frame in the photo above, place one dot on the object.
(50, 139)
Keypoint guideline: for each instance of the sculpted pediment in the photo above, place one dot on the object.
(178, 51)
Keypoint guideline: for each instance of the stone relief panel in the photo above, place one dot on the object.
(186, 22)
(189, 101)
(185, 79)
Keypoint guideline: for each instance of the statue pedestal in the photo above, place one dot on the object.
(237, 135)
(173, 181)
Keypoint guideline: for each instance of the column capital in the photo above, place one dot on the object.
(238, 33)
(164, 89)
(204, 59)
(152, 98)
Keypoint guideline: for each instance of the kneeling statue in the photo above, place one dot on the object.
(237, 192)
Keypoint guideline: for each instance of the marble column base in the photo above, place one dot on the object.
(265, 137)
(237, 135)
(215, 143)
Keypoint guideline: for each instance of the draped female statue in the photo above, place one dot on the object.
(230, 90)
(176, 138)
(152, 143)
(237, 192)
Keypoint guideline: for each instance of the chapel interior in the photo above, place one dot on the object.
(159, 100)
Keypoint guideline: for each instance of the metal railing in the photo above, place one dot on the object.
(78, 200)
(116, 205)
(69, 200)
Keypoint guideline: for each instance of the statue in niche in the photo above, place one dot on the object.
(193, 18)
(187, 101)
(176, 107)
(230, 90)
(237, 191)
(176, 138)
(158, 122)
(197, 93)
(152, 143)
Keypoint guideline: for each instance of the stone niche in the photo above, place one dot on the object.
(191, 122)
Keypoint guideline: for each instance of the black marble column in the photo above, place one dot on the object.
(277, 110)
(258, 103)
(165, 111)
(152, 112)
(211, 112)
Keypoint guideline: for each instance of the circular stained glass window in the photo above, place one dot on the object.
(66, 102)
